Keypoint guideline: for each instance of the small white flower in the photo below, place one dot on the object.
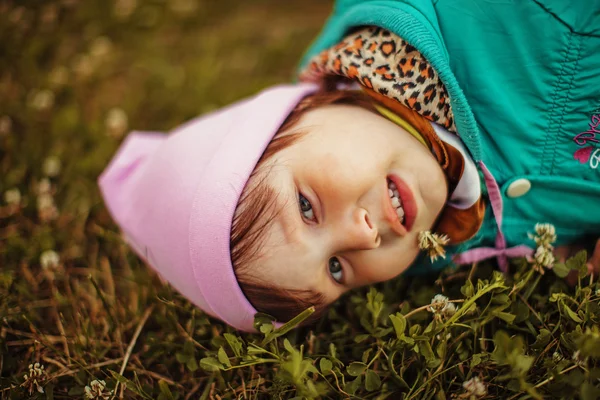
(12, 197)
(441, 305)
(35, 377)
(433, 243)
(475, 387)
(58, 77)
(116, 122)
(557, 357)
(47, 210)
(183, 7)
(45, 201)
(545, 236)
(5, 125)
(578, 359)
(97, 390)
(51, 166)
(83, 66)
(44, 186)
(124, 8)
(49, 259)
(101, 47)
(41, 100)
(544, 257)
(546, 232)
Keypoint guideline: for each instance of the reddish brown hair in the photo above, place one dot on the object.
(257, 208)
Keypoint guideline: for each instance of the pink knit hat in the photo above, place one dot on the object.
(174, 196)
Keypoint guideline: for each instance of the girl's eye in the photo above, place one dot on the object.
(305, 207)
(335, 269)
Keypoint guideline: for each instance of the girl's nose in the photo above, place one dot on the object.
(359, 232)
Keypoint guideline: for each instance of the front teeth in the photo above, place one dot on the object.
(396, 202)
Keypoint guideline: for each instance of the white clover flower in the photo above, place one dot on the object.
(546, 232)
(597, 292)
(5, 125)
(41, 100)
(49, 259)
(116, 122)
(544, 257)
(557, 357)
(433, 243)
(35, 377)
(124, 8)
(545, 236)
(58, 77)
(44, 186)
(83, 66)
(578, 359)
(97, 390)
(12, 197)
(183, 7)
(475, 387)
(51, 166)
(47, 210)
(101, 47)
(441, 305)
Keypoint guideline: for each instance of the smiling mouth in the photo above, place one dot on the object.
(402, 201)
(396, 201)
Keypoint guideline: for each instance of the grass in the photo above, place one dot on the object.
(74, 78)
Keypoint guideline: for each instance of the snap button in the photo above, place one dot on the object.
(518, 188)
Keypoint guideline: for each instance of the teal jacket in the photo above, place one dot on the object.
(524, 82)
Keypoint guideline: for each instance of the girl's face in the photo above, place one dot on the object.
(337, 227)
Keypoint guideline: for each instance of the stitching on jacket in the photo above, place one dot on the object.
(560, 99)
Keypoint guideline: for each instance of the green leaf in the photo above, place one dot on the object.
(129, 385)
(356, 368)
(572, 314)
(288, 326)
(210, 364)
(372, 381)
(478, 359)
(589, 342)
(254, 349)
(325, 366)
(288, 346)
(188, 347)
(165, 391)
(426, 350)
(561, 270)
(468, 290)
(192, 364)
(223, 358)
(542, 339)
(361, 338)
(589, 391)
(399, 322)
(235, 344)
(578, 260)
(352, 387)
(182, 357)
(509, 318)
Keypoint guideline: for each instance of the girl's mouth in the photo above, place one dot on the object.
(402, 201)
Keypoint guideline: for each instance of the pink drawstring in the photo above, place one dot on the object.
(500, 251)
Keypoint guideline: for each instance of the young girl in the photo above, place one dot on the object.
(445, 129)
